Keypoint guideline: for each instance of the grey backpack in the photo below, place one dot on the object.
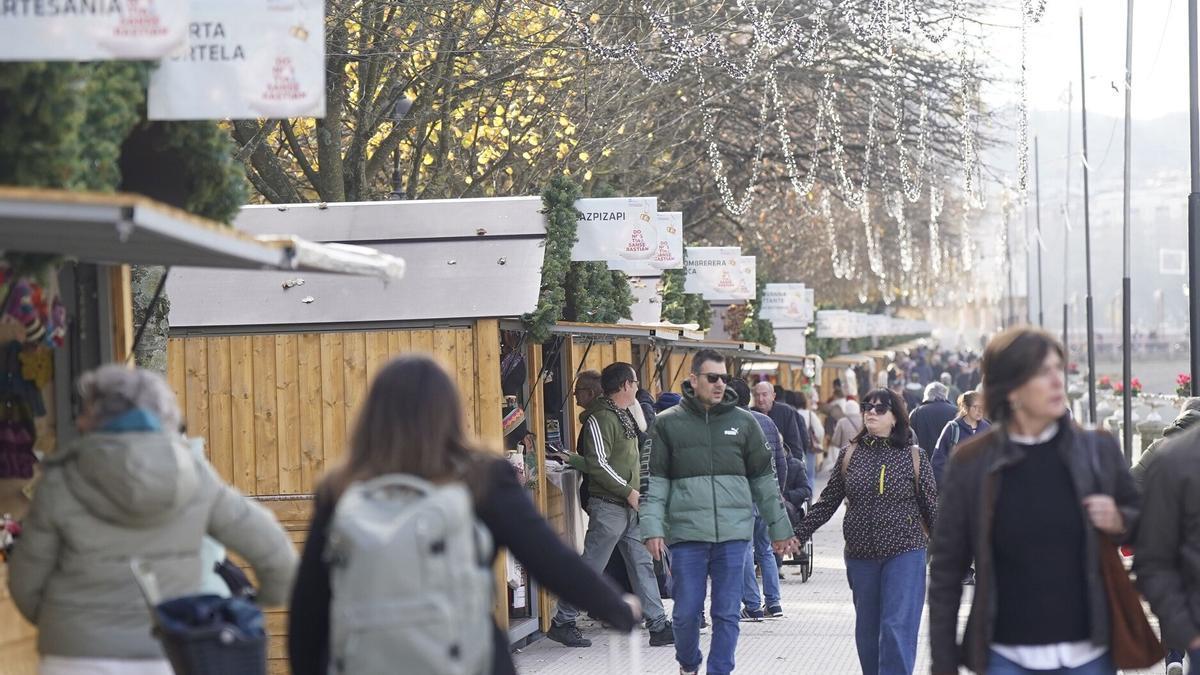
(411, 580)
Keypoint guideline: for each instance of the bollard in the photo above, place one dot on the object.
(1151, 429)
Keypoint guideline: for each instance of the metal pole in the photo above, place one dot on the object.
(1126, 286)
(1194, 204)
(1028, 269)
(1010, 317)
(1087, 236)
(1037, 192)
(1067, 237)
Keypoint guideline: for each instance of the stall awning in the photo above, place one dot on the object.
(131, 229)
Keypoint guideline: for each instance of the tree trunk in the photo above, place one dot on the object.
(151, 352)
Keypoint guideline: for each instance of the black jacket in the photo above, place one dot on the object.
(963, 534)
(791, 426)
(929, 419)
(796, 490)
(515, 525)
(885, 510)
(1167, 556)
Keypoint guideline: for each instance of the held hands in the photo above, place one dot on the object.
(656, 546)
(1103, 512)
(786, 546)
(633, 498)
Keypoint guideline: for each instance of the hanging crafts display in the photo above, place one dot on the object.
(35, 305)
(20, 402)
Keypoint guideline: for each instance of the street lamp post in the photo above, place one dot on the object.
(1194, 202)
(398, 115)
(1087, 237)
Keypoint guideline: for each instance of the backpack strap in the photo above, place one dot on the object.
(916, 461)
(845, 460)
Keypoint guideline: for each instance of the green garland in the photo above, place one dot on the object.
(576, 291)
(558, 202)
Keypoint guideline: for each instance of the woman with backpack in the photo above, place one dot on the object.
(891, 502)
(968, 424)
(409, 443)
(129, 487)
(1032, 503)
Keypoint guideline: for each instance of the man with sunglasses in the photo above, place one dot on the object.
(709, 468)
(611, 460)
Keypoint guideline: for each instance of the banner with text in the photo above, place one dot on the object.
(245, 59)
(712, 271)
(668, 255)
(787, 305)
(616, 228)
(91, 30)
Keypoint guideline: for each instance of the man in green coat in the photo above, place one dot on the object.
(709, 467)
(610, 457)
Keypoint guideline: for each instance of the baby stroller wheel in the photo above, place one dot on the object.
(806, 567)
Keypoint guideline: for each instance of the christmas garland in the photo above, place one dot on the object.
(576, 291)
(558, 202)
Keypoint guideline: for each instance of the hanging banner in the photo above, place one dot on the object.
(615, 229)
(91, 30)
(747, 285)
(834, 323)
(244, 59)
(791, 341)
(712, 271)
(647, 301)
(668, 255)
(787, 305)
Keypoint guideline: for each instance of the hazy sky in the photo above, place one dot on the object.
(1160, 67)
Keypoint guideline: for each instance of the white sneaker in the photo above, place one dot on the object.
(686, 672)
(1175, 668)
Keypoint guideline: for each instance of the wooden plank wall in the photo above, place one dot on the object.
(277, 410)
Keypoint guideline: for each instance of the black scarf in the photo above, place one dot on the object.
(627, 422)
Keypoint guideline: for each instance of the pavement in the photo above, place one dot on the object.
(815, 636)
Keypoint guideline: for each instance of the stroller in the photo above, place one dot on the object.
(805, 557)
(208, 634)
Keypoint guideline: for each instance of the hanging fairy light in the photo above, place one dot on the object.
(936, 201)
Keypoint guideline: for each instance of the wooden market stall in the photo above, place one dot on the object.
(272, 368)
(77, 314)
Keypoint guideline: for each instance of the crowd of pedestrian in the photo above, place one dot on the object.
(981, 476)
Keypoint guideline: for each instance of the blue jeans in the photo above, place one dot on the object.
(889, 595)
(998, 665)
(760, 551)
(811, 466)
(693, 563)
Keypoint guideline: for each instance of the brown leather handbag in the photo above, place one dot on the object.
(1133, 642)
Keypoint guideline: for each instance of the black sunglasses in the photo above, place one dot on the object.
(879, 408)
(713, 377)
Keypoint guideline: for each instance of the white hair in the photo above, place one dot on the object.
(113, 390)
(936, 391)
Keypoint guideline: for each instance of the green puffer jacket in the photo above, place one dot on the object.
(708, 469)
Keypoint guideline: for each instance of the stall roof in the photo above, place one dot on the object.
(466, 259)
(132, 229)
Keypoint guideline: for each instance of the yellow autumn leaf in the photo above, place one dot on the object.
(584, 156)
(427, 160)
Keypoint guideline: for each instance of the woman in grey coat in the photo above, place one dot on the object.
(129, 487)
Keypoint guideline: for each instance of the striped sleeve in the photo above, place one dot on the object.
(599, 467)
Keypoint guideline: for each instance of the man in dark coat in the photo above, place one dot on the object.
(791, 426)
(1167, 561)
(934, 413)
